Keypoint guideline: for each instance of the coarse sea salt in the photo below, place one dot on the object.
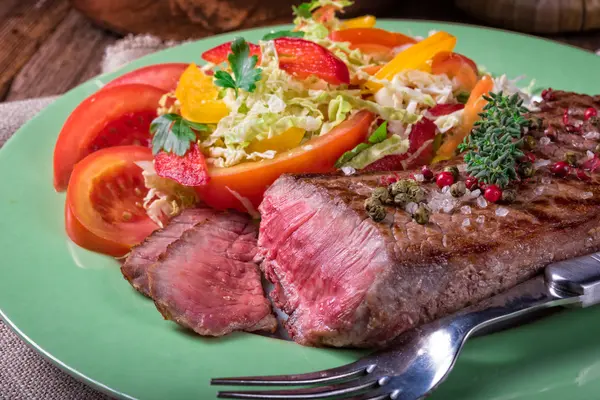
(466, 222)
(538, 190)
(545, 141)
(501, 211)
(546, 180)
(445, 189)
(591, 135)
(480, 219)
(448, 205)
(475, 193)
(590, 154)
(587, 195)
(541, 163)
(481, 202)
(465, 210)
(348, 170)
(411, 207)
(419, 177)
(445, 241)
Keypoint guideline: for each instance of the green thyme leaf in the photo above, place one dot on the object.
(173, 133)
(378, 136)
(494, 145)
(280, 34)
(245, 75)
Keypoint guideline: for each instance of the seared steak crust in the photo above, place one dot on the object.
(348, 281)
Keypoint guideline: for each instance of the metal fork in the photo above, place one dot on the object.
(420, 359)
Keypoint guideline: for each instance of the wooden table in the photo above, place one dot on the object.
(47, 47)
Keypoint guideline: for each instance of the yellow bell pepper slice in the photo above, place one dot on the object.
(197, 95)
(365, 21)
(280, 143)
(415, 57)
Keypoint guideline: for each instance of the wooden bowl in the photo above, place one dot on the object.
(185, 19)
(536, 16)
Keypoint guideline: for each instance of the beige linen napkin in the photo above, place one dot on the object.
(24, 374)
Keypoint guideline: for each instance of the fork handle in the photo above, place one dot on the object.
(574, 282)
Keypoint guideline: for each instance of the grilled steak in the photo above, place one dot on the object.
(345, 280)
(141, 256)
(206, 280)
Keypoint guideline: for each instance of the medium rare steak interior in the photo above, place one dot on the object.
(200, 273)
(346, 280)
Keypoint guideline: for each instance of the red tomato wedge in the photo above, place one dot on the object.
(358, 36)
(162, 76)
(219, 54)
(298, 57)
(115, 116)
(189, 170)
(419, 153)
(250, 180)
(303, 58)
(106, 193)
(456, 66)
(444, 109)
(86, 239)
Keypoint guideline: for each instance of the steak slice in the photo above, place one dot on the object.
(207, 280)
(345, 280)
(143, 255)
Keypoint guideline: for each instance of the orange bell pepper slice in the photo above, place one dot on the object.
(197, 95)
(358, 36)
(471, 112)
(285, 141)
(415, 57)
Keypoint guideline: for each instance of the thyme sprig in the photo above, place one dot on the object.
(494, 146)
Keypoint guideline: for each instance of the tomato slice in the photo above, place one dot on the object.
(298, 57)
(444, 109)
(163, 76)
(106, 193)
(250, 180)
(219, 54)
(456, 66)
(115, 116)
(419, 153)
(303, 58)
(86, 239)
(189, 170)
(357, 36)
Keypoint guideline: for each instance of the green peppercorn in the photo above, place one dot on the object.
(529, 142)
(375, 209)
(421, 215)
(595, 121)
(509, 196)
(571, 158)
(453, 170)
(526, 170)
(401, 199)
(536, 123)
(382, 195)
(401, 186)
(458, 189)
(416, 194)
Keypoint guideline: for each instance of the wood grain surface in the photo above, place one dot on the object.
(47, 46)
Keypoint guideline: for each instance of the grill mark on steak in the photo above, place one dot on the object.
(362, 283)
(207, 281)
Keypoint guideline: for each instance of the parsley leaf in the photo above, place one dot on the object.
(378, 136)
(245, 75)
(280, 34)
(303, 10)
(173, 133)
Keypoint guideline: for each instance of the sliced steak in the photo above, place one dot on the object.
(143, 255)
(207, 280)
(345, 280)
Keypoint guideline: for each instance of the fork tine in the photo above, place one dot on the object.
(343, 373)
(322, 392)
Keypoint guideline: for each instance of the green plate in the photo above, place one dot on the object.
(75, 308)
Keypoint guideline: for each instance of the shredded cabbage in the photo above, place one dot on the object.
(449, 121)
(165, 198)
(390, 146)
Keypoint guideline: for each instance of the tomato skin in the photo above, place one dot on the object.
(105, 186)
(163, 76)
(357, 36)
(251, 179)
(444, 109)
(421, 140)
(456, 66)
(90, 119)
(218, 55)
(189, 170)
(86, 239)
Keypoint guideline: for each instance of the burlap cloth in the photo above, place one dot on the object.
(23, 373)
